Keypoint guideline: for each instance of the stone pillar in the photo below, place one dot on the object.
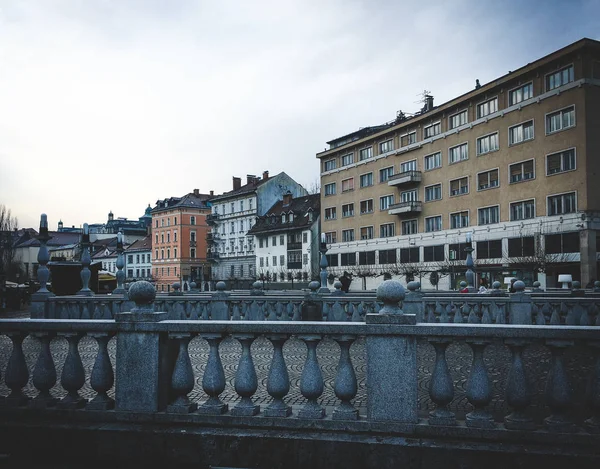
(391, 361)
(413, 301)
(39, 299)
(143, 371)
(587, 251)
(521, 307)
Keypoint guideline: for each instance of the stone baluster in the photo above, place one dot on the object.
(500, 312)
(246, 382)
(39, 298)
(278, 381)
(486, 317)
(73, 376)
(558, 392)
(213, 381)
(236, 307)
(431, 313)
(518, 395)
(479, 391)
(182, 380)
(345, 386)
(44, 373)
(17, 373)
(120, 290)
(441, 386)
(311, 381)
(86, 260)
(458, 319)
(555, 317)
(593, 391)
(102, 377)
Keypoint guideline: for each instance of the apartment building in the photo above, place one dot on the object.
(179, 246)
(230, 247)
(512, 162)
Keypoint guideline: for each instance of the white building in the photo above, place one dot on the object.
(138, 265)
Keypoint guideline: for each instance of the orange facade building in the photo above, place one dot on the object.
(179, 232)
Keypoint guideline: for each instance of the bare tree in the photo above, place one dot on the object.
(365, 271)
(10, 267)
(540, 260)
(410, 270)
(314, 187)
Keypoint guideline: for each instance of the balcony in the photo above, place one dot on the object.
(405, 178)
(213, 256)
(294, 246)
(212, 218)
(213, 237)
(413, 206)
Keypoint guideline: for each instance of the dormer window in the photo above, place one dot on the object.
(291, 218)
(283, 218)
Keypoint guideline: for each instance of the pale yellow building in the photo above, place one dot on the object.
(515, 162)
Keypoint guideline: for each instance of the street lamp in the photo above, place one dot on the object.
(470, 275)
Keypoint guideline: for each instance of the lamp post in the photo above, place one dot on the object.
(323, 264)
(470, 275)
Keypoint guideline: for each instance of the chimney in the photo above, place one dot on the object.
(212, 192)
(237, 183)
(265, 175)
(428, 102)
(250, 178)
(196, 192)
(287, 199)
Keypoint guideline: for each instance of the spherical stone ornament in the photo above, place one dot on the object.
(536, 284)
(496, 285)
(391, 293)
(463, 284)
(597, 284)
(519, 286)
(221, 286)
(142, 293)
(257, 285)
(314, 285)
(193, 285)
(414, 286)
(176, 286)
(576, 284)
(337, 285)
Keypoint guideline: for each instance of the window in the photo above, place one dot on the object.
(274, 241)
(489, 215)
(249, 204)
(162, 237)
(433, 192)
(386, 230)
(162, 222)
(305, 259)
(192, 220)
(433, 224)
(408, 196)
(456, 252)
(162, 253)
(520, 133)
(366, 206)
(168, 237)
(560, 120)
(433, 161)
(232, 228)
(282, 239)
(459, 220)
(560, 162)
(347, 210)
(409, 255)
(562, 243)
(366, 153)
(274, 261)
(348, 258)
(174, 220)
(156, 238)
(409, 227)
(260, 242)
(408, 139)
(366, 258)
(129, 273)
(130, 259)
(385, 202)
(458, 153)
(489, 249)
(522, 171)
(156, 254)
(175, 253)
(347, 159)
(332, 260)
(457, 120)
(366, 232)
(487, 180)
(366, 180)
(519, 94)
(386, 173)
(262, 262)
(459, 186)
(241, 226)
(386, 146)
(433, 253)
(521, 247)
(232, 207)
(193, 253)
(168, 221)
(348, 185)
(331, 237)
(330, 189)
(408, 166)
(347, 235)
(432, 130)
(522, 210)
(387, 256)
(282, 259)
(330, 213)
(561, 204)
(487, 144)
(175, 236)
(560, 78)
(329, 165)
(486, 108)
(156, 224)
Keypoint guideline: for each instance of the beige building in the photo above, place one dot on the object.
(514, 162)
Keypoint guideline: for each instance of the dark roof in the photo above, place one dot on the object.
(193, 200)
(245, 189)
(104, 242)
(141, 244)
(58, 239)
(299, 206)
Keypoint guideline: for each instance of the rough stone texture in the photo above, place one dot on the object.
(391, 293)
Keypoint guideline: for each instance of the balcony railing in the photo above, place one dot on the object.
(212, 218)
(407, 177)
(413, 206)
(213, 256)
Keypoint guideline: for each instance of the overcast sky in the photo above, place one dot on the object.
(113, 104)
